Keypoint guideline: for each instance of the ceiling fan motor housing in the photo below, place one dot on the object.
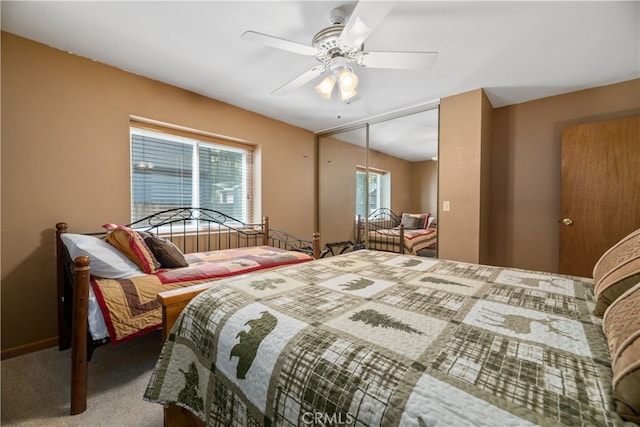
(327, 41)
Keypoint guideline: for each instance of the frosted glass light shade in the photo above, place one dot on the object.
(346, 95)
(348, 80)
(325, 87)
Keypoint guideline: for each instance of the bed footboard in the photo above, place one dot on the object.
(175, 416)
(383, 231)
(174, 301)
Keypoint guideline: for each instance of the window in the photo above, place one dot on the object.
(379, 194)
(175, 169)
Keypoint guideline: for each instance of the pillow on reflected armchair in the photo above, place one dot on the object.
(410, 222)
(423, 219)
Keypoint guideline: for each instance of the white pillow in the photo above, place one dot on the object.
(105, 260)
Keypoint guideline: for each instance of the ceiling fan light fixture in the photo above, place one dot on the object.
(340, 45)
(325, 87)
(348, 80)
(346, 95)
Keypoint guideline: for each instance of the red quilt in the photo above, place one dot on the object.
(130, 306)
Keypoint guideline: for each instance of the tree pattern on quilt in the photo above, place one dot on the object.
(376, 319)
(410, 263)
(439, 281)
(267, 283)
(343, 263)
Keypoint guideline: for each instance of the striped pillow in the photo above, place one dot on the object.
(621, 325)
(617, 271)
(423, 218)
(133, 246)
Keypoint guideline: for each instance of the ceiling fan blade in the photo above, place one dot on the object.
(363, 20)
(397, 60)
(301, 80)
(279, 43)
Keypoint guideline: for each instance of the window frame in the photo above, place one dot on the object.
(196, 140)
(383, 190)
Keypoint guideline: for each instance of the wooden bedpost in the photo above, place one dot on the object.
(265, 230)
(64, 338)
(79, 335)
(316, 245)
(401, 242)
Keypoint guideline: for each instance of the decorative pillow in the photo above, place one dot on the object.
(132, 246)
(616, 271)
(106, 261)
(621, 324)
(427, 220)
(409, 221)
(422, 219)
(167, 254)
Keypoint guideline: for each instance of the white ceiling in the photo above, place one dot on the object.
(517, 51)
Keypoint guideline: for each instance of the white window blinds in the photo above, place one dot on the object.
(374, 193)
(176, 169)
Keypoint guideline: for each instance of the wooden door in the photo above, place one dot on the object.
(600, 190)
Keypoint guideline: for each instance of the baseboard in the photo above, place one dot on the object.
(28, 348)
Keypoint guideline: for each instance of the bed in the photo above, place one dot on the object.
(108, 282)
(377, 338)
(386, 230)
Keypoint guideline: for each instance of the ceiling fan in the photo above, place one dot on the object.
(341, 46)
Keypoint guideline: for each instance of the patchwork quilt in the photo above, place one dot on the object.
(130, 305)
(374, 338)
(388, 239)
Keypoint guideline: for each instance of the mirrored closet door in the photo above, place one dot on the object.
(342, 156)
(390, 163)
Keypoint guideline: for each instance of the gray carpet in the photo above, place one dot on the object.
(35, 388)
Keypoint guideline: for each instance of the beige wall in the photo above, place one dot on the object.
(65, 157)
(337, 206)
(401, 182)
(506, 204)
(486, 169)
(526, 169)
(424, 188)
(338, 163)
(464, 174)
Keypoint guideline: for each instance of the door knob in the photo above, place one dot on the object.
(567, 221)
